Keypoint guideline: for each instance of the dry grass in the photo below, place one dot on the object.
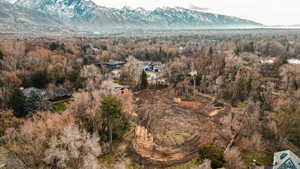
(233, 159)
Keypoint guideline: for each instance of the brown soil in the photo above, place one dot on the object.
(170, 131)
(191, 104)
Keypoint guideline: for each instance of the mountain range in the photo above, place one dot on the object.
(85, 15)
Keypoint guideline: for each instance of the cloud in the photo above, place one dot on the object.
(194, 7)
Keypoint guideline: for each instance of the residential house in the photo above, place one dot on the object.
(114, 64)
(154, 73)
(116, 74)
(58, 94)
(51, 95)
(153, 67)
(28, 91)
(286, 160)
(113, 87)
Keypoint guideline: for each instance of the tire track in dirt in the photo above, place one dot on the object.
(169, 132)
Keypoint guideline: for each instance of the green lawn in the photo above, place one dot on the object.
(60, 107)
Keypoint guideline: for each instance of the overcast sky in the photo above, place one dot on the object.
(269, 12)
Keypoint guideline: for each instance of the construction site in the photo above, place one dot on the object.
(170, 131)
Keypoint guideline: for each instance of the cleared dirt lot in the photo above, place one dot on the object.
(169, 130)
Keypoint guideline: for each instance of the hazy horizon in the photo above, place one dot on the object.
(275, 12)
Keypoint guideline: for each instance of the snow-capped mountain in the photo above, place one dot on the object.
(85, 14)
(9, 1)
(61, 8)
(14, 18)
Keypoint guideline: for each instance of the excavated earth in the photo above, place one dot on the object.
(170, 131)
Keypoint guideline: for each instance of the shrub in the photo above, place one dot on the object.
(54, 141)
(16, 102)
(234, 160)
(73, 149)
(70, 51)
(262, 158)
(212, 153)
(59, 107)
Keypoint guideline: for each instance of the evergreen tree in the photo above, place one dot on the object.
(76, 79)
(144, 81)
(1, 55)
(34, 102)
(210, 52)
(16, 102)
(54, 46)
(287, 48)
(212, 153)
(111, 108)
(1, 58)
(2, 83)
(237, 51)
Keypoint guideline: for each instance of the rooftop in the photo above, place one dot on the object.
(286, 160)
(111, 62)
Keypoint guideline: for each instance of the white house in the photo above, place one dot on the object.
(116, 74)
(286, 160)
(293, 61)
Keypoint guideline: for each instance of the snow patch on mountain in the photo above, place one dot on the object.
(9, 1)
(86, 12)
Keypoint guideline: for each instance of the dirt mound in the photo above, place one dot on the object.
(192, 104)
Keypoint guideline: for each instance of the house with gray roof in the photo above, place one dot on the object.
(28, 91)
(114, 64)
